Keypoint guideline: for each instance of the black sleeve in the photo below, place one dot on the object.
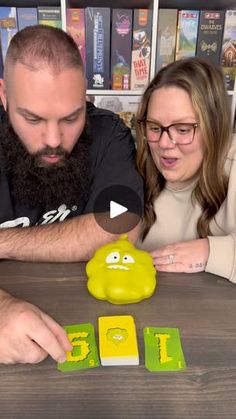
(113, 159)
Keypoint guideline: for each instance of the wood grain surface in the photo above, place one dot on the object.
(202, 306)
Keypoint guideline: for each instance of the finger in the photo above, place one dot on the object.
(155, 254)
(58, 331)
(32, 354)
(46, 339)
(24, 350)
(164, 260)
(173, 267)
(159, 253)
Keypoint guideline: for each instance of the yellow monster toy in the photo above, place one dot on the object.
(120, 273)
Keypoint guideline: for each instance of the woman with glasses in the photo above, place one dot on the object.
(187, 158)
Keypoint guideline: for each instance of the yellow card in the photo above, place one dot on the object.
(118, 340)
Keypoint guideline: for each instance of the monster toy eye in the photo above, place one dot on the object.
(113, 257)
(128, 259)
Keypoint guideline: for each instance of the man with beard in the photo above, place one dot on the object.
(55, 155)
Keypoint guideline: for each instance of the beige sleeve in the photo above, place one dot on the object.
(222, 258)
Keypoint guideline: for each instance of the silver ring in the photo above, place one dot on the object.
(171, 259)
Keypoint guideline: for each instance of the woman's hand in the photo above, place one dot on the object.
(189, 256)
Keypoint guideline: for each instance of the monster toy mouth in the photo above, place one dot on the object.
(125, 268)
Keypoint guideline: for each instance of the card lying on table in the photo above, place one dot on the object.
(84, 353)
(163, 350)
(118, 340)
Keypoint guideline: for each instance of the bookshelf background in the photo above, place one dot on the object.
(133, 4)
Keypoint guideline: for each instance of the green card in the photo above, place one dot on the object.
(163, 350)
(84, 353)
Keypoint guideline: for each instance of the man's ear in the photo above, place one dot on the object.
(3, 94)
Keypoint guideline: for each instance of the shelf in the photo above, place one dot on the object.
(118, 4)
(197, 4)
(114, 92)
(136, 4)
(30, 3)
(132, 4)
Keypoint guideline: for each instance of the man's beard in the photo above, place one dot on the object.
(35, 185)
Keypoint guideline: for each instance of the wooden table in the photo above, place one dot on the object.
(202, 306)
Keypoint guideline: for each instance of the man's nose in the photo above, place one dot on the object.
(53, 136)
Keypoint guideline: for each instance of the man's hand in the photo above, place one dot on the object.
(190, 256)
(28, 335)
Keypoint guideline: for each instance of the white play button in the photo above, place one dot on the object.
(116, 209)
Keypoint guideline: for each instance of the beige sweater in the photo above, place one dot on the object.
(177, 219)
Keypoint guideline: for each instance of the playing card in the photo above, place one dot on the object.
(163, 350)
(118, 340)
(84, 353)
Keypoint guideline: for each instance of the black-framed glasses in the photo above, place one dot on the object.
(181, 133)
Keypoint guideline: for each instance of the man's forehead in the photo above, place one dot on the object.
(66, 113)
(38, 69)
(36, 90)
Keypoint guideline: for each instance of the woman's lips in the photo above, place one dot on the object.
(168, 162)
